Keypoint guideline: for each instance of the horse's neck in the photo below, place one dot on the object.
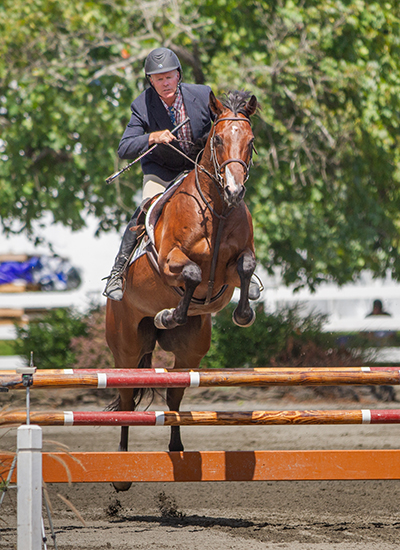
(208, 185)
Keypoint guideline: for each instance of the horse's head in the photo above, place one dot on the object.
(231, 143)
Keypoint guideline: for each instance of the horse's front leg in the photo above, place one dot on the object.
(244, 316)
(190, 274)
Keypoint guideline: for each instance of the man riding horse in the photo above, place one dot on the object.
(155, 113)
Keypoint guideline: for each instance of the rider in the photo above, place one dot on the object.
(155, 112)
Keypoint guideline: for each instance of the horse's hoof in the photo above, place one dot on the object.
(246, 323)
(122, 485)
(160, 320)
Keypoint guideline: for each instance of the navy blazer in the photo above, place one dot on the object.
(149, 115)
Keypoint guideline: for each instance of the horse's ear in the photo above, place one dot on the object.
(251, 106)
(215, 104)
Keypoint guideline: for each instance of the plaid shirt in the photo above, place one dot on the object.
(179, 112)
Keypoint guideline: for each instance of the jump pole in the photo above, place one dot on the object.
(159, 378)
(136, 467)
(289, 369)
(203, 418)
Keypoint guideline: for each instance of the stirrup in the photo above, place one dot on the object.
(256, 287)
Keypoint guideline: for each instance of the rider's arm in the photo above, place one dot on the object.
(135, 139)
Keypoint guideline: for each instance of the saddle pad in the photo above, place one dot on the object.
(140, 248)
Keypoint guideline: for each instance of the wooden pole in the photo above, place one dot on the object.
(153, 378)
(202, 418)
(105, 467)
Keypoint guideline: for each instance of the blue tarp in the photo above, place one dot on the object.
(49, 272)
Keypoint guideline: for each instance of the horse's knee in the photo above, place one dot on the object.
(191, 274)
(246, 265)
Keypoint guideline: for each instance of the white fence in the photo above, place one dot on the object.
(346, 307)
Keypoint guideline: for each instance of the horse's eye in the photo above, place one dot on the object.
(218, 140)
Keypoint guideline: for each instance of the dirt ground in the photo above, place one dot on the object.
(245, 516)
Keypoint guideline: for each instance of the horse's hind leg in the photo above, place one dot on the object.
(129, 399)
(126, 398)
(244, 316)
(174, 398)
(189, 344)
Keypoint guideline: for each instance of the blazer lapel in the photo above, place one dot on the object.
(160, 114)
(191, 111)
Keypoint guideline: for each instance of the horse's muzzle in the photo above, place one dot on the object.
(234, 197)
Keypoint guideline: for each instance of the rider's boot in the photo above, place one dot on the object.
(116, 280)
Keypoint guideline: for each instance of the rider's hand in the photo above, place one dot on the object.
(163, 136)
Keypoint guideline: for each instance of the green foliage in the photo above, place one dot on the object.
(274, 339)
(49, 337)
(7, 347)
(325, 189)
(91, 350)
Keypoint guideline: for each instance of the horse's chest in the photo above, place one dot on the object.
(203, 251)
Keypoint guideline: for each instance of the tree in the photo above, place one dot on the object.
(324, 191)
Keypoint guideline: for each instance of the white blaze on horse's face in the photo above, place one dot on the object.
(233, 189)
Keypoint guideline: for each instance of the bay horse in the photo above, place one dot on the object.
(172, 303)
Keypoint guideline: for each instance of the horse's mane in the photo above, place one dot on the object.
(235, 101)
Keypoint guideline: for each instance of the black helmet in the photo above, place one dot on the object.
(161, 60)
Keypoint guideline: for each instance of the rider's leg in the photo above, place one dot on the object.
(152, 186)
(115, 284)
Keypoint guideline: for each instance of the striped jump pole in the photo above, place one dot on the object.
(202, 418)
(261, 370)
(290, 369)
(159, 378)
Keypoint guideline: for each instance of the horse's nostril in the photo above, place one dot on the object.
(233, 197)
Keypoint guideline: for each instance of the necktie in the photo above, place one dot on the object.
(171, 112)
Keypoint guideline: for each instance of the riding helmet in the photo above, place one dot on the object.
(161, 60)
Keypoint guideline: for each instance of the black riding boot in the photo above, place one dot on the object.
(115, 284)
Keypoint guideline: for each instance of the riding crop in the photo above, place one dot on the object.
(117, 174)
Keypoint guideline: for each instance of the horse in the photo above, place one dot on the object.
(204, 248)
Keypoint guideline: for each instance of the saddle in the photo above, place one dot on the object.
(150, 212)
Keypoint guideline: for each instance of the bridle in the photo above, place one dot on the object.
(218, 168)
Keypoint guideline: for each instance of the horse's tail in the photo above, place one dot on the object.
(138, 393)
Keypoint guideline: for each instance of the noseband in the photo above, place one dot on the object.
(219, 167)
